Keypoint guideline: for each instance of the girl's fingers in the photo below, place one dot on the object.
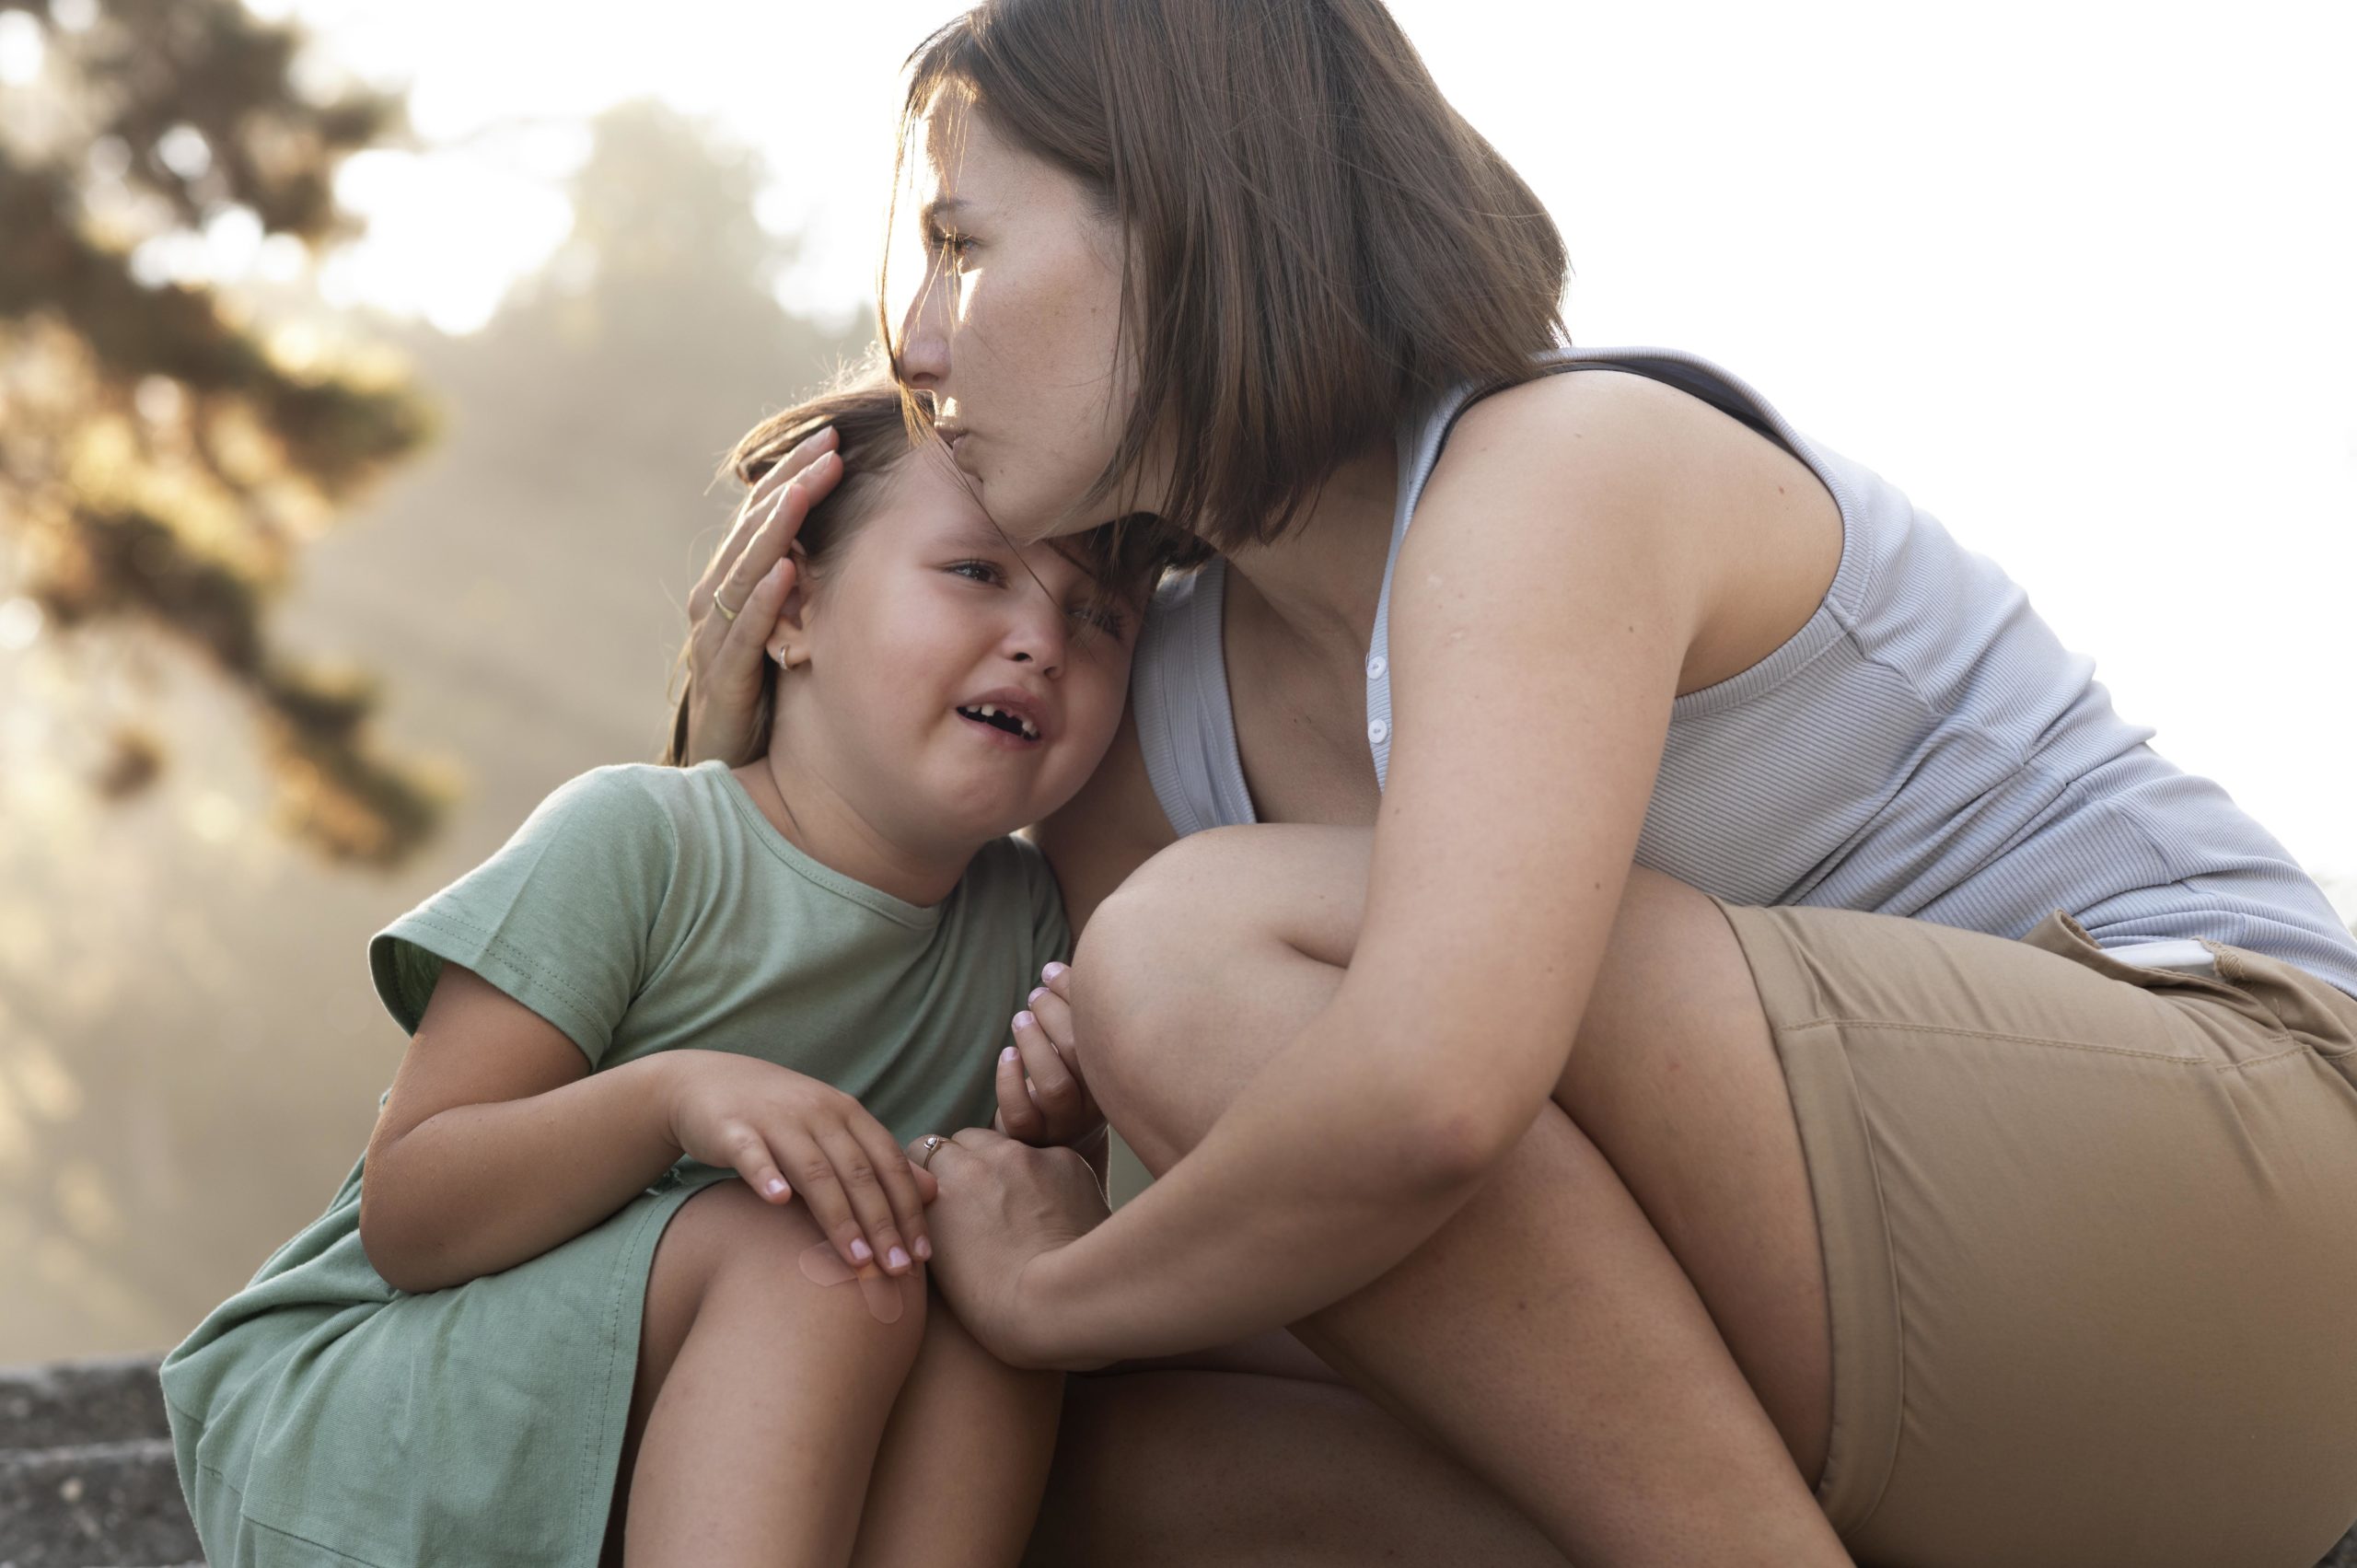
(1058, 978)
(822, 1193)
(898, 1180)
(873, 1227)
(750, 1156)
(1055, 1021)
(1017, 1116)
(1053, 1087)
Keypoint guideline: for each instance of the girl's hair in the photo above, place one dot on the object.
(872, 437)
(1314, 241)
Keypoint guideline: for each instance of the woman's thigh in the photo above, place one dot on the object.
(2015, 1239)
(1673, 1076)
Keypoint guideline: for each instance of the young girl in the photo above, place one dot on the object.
(543, 1317)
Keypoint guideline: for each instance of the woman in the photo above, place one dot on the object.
(1734, 1041)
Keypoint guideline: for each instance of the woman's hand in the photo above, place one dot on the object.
(1001, 1205)
(761, 1119)
(747, 580)
(1042, 1096)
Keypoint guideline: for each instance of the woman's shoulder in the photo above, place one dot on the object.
(1753, 534)
(1597, 423)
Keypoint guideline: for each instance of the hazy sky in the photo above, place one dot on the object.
(2074, 277)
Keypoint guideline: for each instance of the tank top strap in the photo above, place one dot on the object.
(1178, 699)
(1426, 431)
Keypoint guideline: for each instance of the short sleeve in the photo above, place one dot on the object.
(560, 918)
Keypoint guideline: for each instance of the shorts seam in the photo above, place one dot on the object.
(1898, 1299)
(1961, 1031)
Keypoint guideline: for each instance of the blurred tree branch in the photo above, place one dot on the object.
(161, 462)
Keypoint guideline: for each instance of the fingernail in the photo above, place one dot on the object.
(1037, 992)
(1010, 1053)
(861, 1250)
(896, 1259)
(1053, 971)
(925, 1246)
(776, 1186)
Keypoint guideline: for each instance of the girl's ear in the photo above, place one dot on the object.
(789, 640)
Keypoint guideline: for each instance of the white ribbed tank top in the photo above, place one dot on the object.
(1923, 746)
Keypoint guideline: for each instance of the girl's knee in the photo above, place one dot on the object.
(768, 1267)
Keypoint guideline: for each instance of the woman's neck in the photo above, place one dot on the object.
(1320, 582)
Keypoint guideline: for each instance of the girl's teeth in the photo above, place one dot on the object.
(989, 712)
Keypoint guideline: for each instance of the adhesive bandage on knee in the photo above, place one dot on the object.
(822, 1265)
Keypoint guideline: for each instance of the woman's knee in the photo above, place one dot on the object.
(1175, 945)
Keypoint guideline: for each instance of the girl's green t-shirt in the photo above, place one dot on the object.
(638, 909)
(641, 908)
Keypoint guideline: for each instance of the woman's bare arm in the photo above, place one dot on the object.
(1543, 607)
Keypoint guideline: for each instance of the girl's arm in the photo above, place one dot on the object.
(497, 1143)
(1564, 557)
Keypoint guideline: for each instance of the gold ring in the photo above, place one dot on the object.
(725, 613)
(932, 1147)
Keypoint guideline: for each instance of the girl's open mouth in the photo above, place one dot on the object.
(1018, 730)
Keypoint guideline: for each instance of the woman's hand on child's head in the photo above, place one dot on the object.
(735, 605)
(787, 1133)
(1042, 1097)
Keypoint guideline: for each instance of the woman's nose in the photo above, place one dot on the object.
(921, 359)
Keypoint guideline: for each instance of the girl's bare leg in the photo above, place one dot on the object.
(760, 1398)
(1240, 1469)
(1631, 1346)
(964, 1459)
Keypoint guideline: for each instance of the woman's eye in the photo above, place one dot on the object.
(949, 240)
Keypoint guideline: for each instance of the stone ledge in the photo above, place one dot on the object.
(86, 1477)
(94, 1503)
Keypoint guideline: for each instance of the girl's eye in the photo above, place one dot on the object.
(976, 571)
(1104, 618)
(950, 241)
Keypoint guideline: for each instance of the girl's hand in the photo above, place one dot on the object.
(1041, 1095)
(1001, 1205)
(763, 1121)
(748, 579)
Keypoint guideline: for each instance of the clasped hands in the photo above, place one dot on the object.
(1015, 1191)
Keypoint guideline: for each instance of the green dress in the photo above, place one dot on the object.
(320, 1415)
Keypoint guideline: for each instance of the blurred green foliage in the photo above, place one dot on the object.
(162, 463)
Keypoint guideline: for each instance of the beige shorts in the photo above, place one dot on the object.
(2090, 1240)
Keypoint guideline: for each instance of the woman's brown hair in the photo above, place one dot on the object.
(1315, 243)
(872, 437)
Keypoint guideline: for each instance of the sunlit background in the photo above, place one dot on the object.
(2076, 277)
